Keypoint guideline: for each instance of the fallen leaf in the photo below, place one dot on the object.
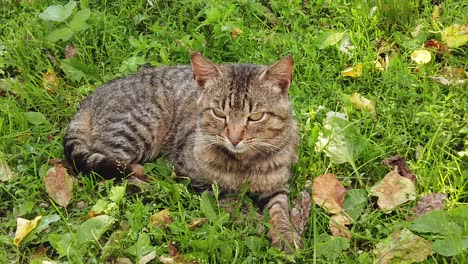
(421, 56)
(70, 51)
(337, 225)
(123, 261)
(436, 45)
(402, 246)
(175, 257)
(147, 258)
(393, 190)
(24, 227)
(172, 250)
(301, 211)
(236, 32)
(40, 252)
(382, 62)
(346, 46)
(353, 71)
(162, 218)
(417, 30)
(59, 185)
(403, 169)
(328, 193)
(430, 202)
(50, 81)
(5, 171)
(197, 222)
(451, 76)
(362, 103)
(455, 35)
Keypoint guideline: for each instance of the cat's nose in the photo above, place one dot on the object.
(235, 141)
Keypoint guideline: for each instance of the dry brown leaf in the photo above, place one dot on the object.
(436, 45)
(59, 185)
(353, 71)
(393, 190)
(5, 171)
(70, 51)
(328, 193)
(301, 211)
(236, 32)
(337, 225)
(162, 218)
(24, 227)
(403, 169)
(362, 103)
(197, 222)
(430, 202)
(451, 76)
(175, 257)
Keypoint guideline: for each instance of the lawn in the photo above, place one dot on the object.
(395, 69)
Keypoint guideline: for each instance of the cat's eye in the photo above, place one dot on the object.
(256, 116)
(218, 113)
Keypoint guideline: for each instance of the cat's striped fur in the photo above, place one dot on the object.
(228, 124)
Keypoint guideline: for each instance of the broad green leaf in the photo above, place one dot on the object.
(113, 244)
(93, 228)
(355, 202)
(207, 207)
(141, 247)
(331, 247)
(78, 22)
(459, 216)
(450, 246)
(432, 222)
(253, 243)
(402, 246)
(35, 118)
(63, 34)
(77, 70)
(100, 206)
(64, 243)
(131, 64)
(45, 222)
(58, 13)
(117, 193)
(330, 39)
(341, 141)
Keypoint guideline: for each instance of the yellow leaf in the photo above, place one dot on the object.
(421, 56)
(50, 81)
(436, 13)
(455, 35)
(24, 227)
(353, 71)
(360, 102)
(162, 218)
(197, 222)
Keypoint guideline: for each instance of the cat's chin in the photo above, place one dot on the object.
(236, 149)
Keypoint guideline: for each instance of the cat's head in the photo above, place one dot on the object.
(244, 109)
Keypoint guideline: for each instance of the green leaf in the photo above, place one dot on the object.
(330, 39)
(402, 246)
(355, 202)
(63, 243)
(45, 222)
(206, 206)
(131, 64)
(93, 228)
(63, 34)
(117, 193)
(341, 141)
(331, 247)
(78, 22)
(35, 118)
(141, 247)
(58, 13)
(113, 244)
(100, 206)
(450, 246)
(77, 70)
(432, 222)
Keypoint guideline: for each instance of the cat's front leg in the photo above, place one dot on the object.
(282, 233)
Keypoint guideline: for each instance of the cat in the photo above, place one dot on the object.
(226, 124)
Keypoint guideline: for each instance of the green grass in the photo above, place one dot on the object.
(415, 117)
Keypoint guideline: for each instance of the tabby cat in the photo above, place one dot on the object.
(226, 124)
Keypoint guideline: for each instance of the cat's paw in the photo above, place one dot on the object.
(287, 241)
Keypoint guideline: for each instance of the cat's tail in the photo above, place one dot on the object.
(77, 145)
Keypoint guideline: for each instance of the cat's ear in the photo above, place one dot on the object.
(203, 69)
(281, 73)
